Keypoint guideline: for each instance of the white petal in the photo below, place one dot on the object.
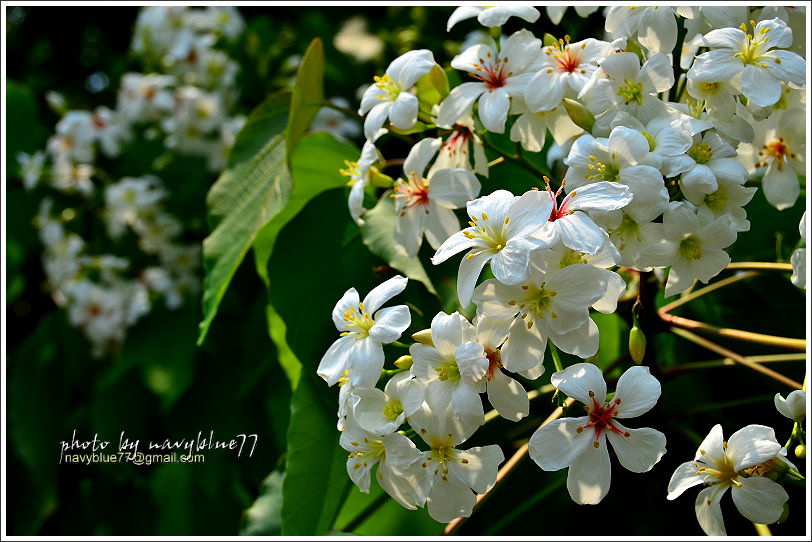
(390, 323)
(709, 512)
(420, 155)
(603, 196)
(582, 341)
(462, 13)
(480, 467)
(375, 119)
(793, 407)
(579, 380)
(441, 223)
(470, 268)
(348, 300)
(759, 499)
(405, 487)
(403, 113)
(685, 477)
(590, 474)
(781, 186)
(447, 332)
(358, 469)
(508, 397)
(411, 66)
(658, 31)
(458, 103)
(368, 412)
(752, 445)
(449, 500)
(509, 265)
(786, 65)
(384, 292)
(621, 66)
(424, 360)
(453, 188)
(641, 450)
(558, 444)
(467, 404)
(760, 86)
(334, 362)
(638, 392)
(714, 66)
(366, 362)
(579, 232)
(615, 287)
(453, 245)
(409, 229)
(493, 110)
(497, 16)
(524, 348)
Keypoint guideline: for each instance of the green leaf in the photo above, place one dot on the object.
(22, 124)
(377, 230)
(308, 94)
(315, 469)
(264, 517)
(314, 168)
(287, 359)
(254, 187)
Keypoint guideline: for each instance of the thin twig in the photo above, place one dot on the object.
(511, 463)
(727, 362)
(767, 266)
(737, 334)
(738, 358)
(706, 290)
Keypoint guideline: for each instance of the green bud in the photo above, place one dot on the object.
(376, 178)
(637, 344)
(579, 114)
(417, 128)
(423, 337)
(404, 362)
(800, 451)
(549, 39)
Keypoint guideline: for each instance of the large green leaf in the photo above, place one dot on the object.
(315, 470)
(314, 168)
(377, 230)
(308, 94)
(254, 187)
(264, 517)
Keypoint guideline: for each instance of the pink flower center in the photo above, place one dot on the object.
(492, 72)
(600, 418)
(457, 140)
(415, 192)
(494, 362)
(776, 151)
(559, 211)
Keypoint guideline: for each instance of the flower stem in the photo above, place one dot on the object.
(706, 290)
(738, 358)
(727, 362)
(738, 334)
(771, 266)
(511, 463)
(762, 529)
(346, 110)
(517, 159)
(556, 357)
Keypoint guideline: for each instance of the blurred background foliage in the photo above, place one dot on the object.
(160, 385)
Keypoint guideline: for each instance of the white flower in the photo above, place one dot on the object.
(109, 130)
(563, 71)
(335, 122)
(531, 128)
(382, 412)
(451, 476)
(631, 230)
(621, 159)
(691, 249)
(793, 407)
(553, 304)
(455, 153)
(779, 146)
(129, 200)
(424, 202)
(500, 234)
(799, 258)
(720, 465)
(390, 96)
(581, 443)
(569, 222)
(31, 167)
(556, 13)
(729, 199)
(708, 160)
(360, 350)
(492, 16)
(628, 86)
(668, 140)
(397, 459)
(358, 173)
(143, 98)
(734, 52)
(656, 27)
(506, 395)
(453, 369)
(719, 96)
(502, 74)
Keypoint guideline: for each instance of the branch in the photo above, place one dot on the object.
(727, 362)
(506, 469)
(738, 358)
(737, 334)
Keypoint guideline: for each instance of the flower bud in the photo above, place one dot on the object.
(376, 178)
(637, 344)
(634, 47)
(800, 451)
(784, 514)
(432, 88)
(579, 114)
(423, 337)
(404, 362)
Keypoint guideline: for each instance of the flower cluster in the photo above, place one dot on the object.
(185, 104)
(659, 167)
